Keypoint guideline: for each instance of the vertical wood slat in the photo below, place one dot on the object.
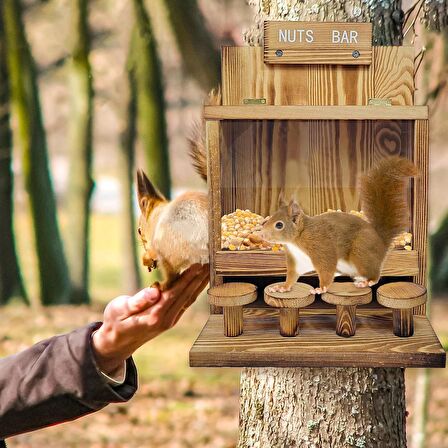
(214, 187)
(393, 74)
(420, 203)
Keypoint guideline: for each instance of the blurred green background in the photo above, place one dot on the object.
(90, 90)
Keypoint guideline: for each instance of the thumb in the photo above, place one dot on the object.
(143, 300)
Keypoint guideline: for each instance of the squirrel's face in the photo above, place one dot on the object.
(148, 199)
(282, 226)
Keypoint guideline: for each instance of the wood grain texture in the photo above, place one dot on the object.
(262, 263)
(289, 322)
(298, 297)
(323, 49)
(232, 294)
(393, 74)
(233, 321)
(346, 293)
(267, 112)
(244, 75)
(403, 323)
(401, 295)
(317, 161)
(212, 130)
(317, 345)
(346, 320)
(420, 202)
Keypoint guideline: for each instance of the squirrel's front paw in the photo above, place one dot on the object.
(280, 288)
(318, 290)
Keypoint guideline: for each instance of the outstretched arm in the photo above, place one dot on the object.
(60, 379)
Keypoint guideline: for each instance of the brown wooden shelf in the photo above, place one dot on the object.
(265, 112)
(317, 345)
(257, 263)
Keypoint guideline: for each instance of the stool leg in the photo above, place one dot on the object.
(289, 321)
(233, 320)
(403, 323)
(346, 320)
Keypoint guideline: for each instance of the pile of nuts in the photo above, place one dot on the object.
(402, 241)
(237, 232)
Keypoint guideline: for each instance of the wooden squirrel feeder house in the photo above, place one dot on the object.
(308, 118)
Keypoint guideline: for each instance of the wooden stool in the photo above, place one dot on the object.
(232, 297)
(289, 304)
(346, 296)
(402, 297)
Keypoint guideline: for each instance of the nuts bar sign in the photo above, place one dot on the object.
(342, 43)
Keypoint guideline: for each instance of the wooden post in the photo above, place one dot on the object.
(402, 298)
(346, 320)
(289, 321)
(289, 303)
(346, 296)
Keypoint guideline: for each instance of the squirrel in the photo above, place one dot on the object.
(338, 242)
(175, 233)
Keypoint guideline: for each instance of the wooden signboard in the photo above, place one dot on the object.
(317, 43)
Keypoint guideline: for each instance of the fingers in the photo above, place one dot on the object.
(186, 278)
(143, 300)
(177, 299)
(188, 296)
(193, 298)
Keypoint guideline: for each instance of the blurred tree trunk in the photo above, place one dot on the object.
(200, 57)
(131, 272)
(151, 121)
(53, 271)
(325, 407)
(11, 284)
(80, 183)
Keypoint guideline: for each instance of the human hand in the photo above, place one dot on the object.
(130, 321)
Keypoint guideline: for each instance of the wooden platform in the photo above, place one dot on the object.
(262, 263)
(317, 345)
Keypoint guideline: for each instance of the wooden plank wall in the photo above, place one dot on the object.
(244, 75)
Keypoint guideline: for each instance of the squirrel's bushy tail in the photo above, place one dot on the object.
(198, 152)
(383, 196)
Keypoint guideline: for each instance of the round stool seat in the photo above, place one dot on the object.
(401, 295)
(232, 294)
(299, 296)
(346, 294)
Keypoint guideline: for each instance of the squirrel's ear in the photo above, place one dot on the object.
(281, 199)
(294, 209)
(147, 193)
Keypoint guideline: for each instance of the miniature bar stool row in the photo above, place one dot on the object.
(401, 297)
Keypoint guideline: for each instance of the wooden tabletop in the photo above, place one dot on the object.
(346, 293)
(232, 294)
(401, 295)
(299, 296)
